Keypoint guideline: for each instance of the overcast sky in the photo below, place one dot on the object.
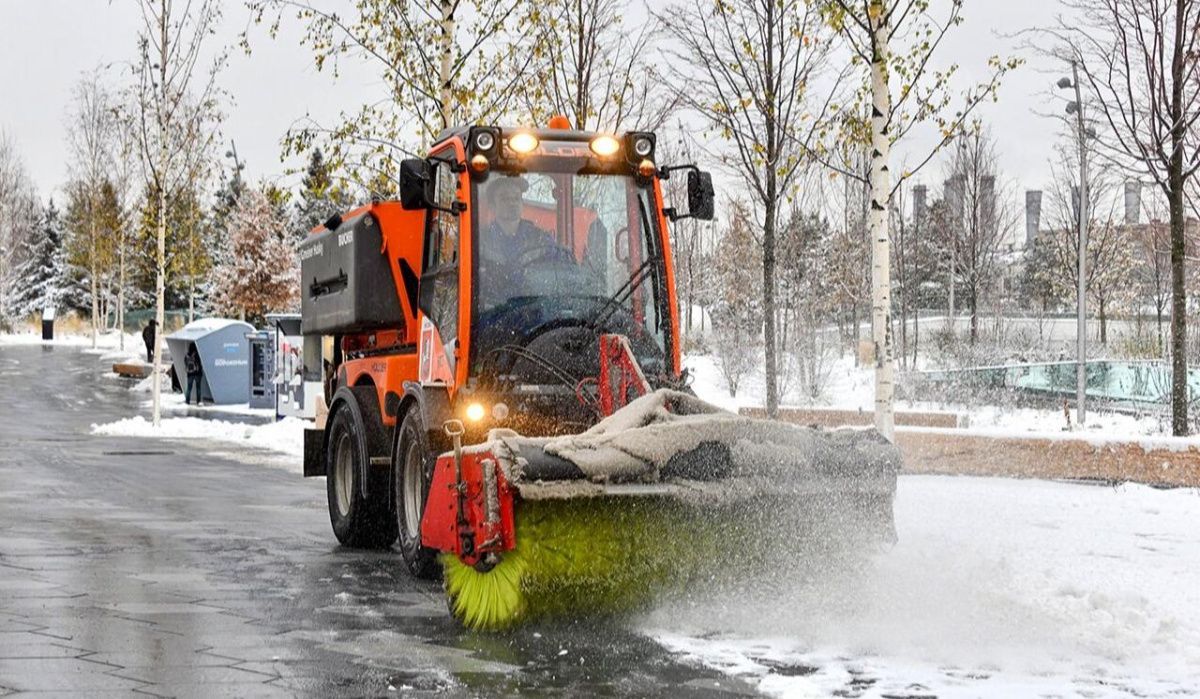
(50, 43)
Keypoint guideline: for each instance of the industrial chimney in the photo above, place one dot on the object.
(987, 201)
(1033, 214)
(1133, 201)
(954, 190)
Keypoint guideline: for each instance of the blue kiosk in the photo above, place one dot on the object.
(224, 357)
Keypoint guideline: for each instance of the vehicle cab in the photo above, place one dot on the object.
(537, 242)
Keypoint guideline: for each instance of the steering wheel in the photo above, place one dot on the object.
(533, 257)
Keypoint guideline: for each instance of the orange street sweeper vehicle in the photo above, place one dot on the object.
(500, 351)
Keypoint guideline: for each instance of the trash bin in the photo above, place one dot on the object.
(224, 355)
(48, 323)
(262, 369)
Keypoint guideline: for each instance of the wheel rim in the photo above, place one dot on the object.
(412, 490)
(343, 475)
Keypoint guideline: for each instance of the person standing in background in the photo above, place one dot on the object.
(148, 337)
(191, 362)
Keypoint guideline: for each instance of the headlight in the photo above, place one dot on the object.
(484, 140)
(475, 412)
(523, 142)
(642, 146)
(605, 145)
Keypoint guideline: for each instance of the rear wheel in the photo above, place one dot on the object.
(412, 469)
(357, 520)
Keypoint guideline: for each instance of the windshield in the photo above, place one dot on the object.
(568, 248)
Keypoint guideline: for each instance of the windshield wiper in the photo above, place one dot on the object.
(639, 275)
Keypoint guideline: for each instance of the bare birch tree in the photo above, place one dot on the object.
(92, 133)
(1140, 65)
(894, 41)
(744, 66)
(1110, 248)
(1152, 243)
(981, 219)
(172, 115)
(595, 68)
(444, 62)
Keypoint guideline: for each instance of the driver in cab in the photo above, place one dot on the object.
(511, 244)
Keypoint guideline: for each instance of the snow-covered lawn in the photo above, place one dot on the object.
(852, 387)
(997, 588)
(105, 342)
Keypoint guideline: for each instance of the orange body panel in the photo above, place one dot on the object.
(387, 372)
(462, 349)
(403, 240)
(669, 264)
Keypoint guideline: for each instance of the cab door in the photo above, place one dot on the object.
(440, 295)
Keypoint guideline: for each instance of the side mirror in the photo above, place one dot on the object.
(700, 195)
(416, 184)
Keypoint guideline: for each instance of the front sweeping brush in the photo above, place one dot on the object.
(648, 501)
(595, 555)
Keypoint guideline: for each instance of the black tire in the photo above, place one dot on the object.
(412, 470)
(358, 521)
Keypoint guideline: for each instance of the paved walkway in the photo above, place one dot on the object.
(143, 567)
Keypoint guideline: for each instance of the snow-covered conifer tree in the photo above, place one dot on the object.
(40, 277)
(321, 196)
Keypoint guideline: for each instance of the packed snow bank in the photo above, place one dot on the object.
(285, 437)
(996, 588)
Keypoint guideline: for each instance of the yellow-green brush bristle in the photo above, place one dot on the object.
(589, 555)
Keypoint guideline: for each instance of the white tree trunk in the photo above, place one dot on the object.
(953, 269)
(192, 260)
(881, 297)
(161, 232)
(121, 295)
(160, 287)
(447, 40)
(95, 287)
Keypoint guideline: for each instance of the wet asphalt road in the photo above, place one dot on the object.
(133, 567)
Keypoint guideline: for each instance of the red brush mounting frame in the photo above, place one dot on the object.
(483, 529)
(620, 374)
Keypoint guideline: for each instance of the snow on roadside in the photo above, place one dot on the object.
(174, 402)
(285, 436)
(996, 588)
(851, 387)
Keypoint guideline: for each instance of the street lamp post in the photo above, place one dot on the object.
(1076, 108)
(3, 280)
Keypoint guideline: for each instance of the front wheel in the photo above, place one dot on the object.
(412, 469)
